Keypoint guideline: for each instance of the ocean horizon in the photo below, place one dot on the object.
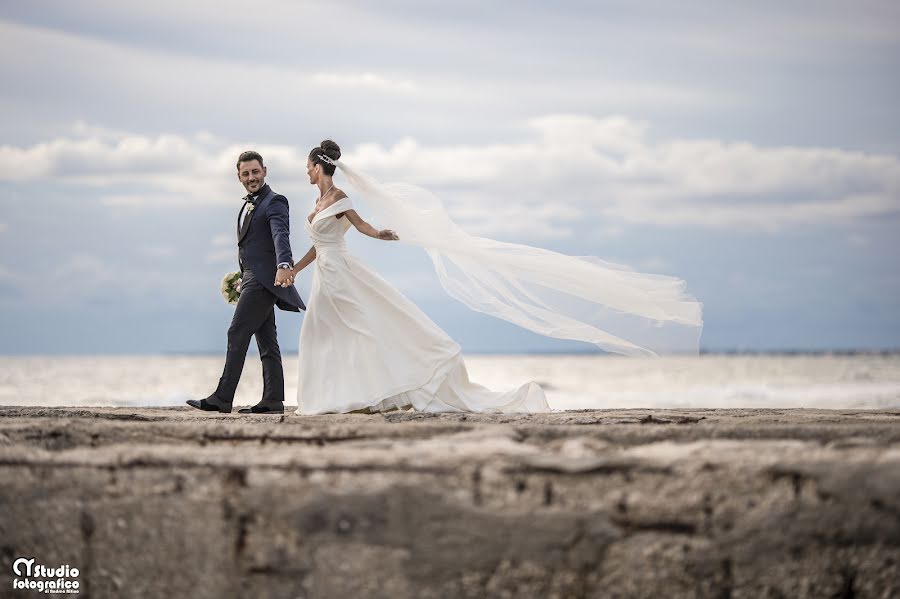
(836, 379)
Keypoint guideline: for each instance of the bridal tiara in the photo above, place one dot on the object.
(325, 158)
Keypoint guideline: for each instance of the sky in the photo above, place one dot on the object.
(752, 149)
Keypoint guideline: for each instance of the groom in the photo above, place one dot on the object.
(264, 255)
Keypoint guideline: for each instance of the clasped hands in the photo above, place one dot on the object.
(284, 277)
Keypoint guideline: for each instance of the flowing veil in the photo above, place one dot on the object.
(567, 297)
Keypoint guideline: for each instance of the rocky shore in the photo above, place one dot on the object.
(169, 502)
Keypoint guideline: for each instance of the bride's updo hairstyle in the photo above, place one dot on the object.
(329, 149)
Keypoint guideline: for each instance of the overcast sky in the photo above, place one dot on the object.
(752, 149)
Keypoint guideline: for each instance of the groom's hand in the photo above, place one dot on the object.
(284, 278)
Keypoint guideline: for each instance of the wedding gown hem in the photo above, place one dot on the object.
(441, 370)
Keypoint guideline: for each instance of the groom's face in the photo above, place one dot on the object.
(252, 175)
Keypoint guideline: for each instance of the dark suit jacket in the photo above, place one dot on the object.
(265, 241)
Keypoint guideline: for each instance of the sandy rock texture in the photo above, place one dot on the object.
(171, 502)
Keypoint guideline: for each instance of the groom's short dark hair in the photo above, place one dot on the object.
(249, 156)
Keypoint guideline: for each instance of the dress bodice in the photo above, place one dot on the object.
(327, 231)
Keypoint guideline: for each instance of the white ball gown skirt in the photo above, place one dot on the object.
(365, 346)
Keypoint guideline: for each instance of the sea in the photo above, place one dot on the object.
(571, 381)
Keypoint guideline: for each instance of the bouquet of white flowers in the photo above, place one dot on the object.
(231, 287)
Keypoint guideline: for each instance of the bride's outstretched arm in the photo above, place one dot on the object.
(367, 229)
(305, 260)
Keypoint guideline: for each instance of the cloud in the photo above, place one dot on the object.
(101, 76)
(456, 83)
(4, 227)
(611, 168)
(568, 168)
(103, 154)
(481, 214)
(791, 32)
(363, 80)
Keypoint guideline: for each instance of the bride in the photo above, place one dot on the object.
(366, 347)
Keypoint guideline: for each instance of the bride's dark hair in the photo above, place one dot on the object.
(327, 148)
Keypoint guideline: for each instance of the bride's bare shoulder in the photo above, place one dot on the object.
(338, 196)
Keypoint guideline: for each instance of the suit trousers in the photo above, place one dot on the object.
(254, 315)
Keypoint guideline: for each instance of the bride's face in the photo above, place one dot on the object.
(312, 171)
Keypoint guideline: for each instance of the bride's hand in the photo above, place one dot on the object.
(387, 235)
(284, 278)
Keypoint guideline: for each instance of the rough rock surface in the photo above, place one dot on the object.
(611, 503)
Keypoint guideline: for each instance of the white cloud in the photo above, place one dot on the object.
(108, 73)
(738, 31)
(103, 155)
(363, 80)
(570, 168)
(4, 227)
(610, 167)
(367, 87)
(482, 214)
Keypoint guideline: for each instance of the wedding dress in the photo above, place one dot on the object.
(364, 345)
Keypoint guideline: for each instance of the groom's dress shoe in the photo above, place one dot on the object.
(210, 404)
(264, 407)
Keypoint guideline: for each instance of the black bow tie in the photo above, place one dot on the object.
(251, 198)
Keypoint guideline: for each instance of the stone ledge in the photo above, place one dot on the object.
(609, 503)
